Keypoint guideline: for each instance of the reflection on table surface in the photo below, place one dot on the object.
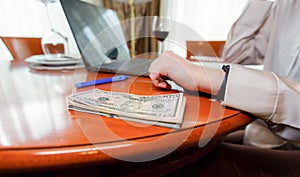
(37, 128)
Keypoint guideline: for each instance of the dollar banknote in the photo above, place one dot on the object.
(163, 107)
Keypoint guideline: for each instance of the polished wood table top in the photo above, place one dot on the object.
(37, 131)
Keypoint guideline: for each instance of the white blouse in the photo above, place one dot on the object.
(266, 33)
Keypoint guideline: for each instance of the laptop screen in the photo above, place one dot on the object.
(97, 32)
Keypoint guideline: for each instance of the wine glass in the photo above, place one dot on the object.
(160, 31)
(53, 42)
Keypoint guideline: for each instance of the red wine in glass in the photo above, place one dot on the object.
(160, 29)
(160, 35)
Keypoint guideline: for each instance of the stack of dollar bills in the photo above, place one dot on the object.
(165, 110)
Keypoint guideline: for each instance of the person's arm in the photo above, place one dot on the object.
(267, 96)
(261, 93)
(247, 40)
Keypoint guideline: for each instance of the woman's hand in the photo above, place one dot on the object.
(186, 74)
(171, 66)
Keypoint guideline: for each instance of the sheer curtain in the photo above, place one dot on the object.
(210, 18)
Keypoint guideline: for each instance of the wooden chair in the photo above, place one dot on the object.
(22, 47)
(204, 48)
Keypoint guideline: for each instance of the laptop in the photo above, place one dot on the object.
(100, 39)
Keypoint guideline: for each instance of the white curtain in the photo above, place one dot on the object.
(210, 18)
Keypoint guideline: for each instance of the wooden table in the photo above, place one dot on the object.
(38, 134)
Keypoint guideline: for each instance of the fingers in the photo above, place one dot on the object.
(158, 81)
(159, 69)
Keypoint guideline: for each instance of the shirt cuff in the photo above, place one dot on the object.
(252, 90)
(221, 93)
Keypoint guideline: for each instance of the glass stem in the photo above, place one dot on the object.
(48, 15)
(161, 47)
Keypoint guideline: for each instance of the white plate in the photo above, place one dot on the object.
(52, 60)
(56, 67)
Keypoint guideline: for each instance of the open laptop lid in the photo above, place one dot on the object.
(97, 32)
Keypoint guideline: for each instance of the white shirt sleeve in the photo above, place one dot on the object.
(267, 96)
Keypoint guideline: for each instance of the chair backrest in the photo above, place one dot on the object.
(23, 47)
(204, 48)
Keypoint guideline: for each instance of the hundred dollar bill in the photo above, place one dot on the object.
(165, 107)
